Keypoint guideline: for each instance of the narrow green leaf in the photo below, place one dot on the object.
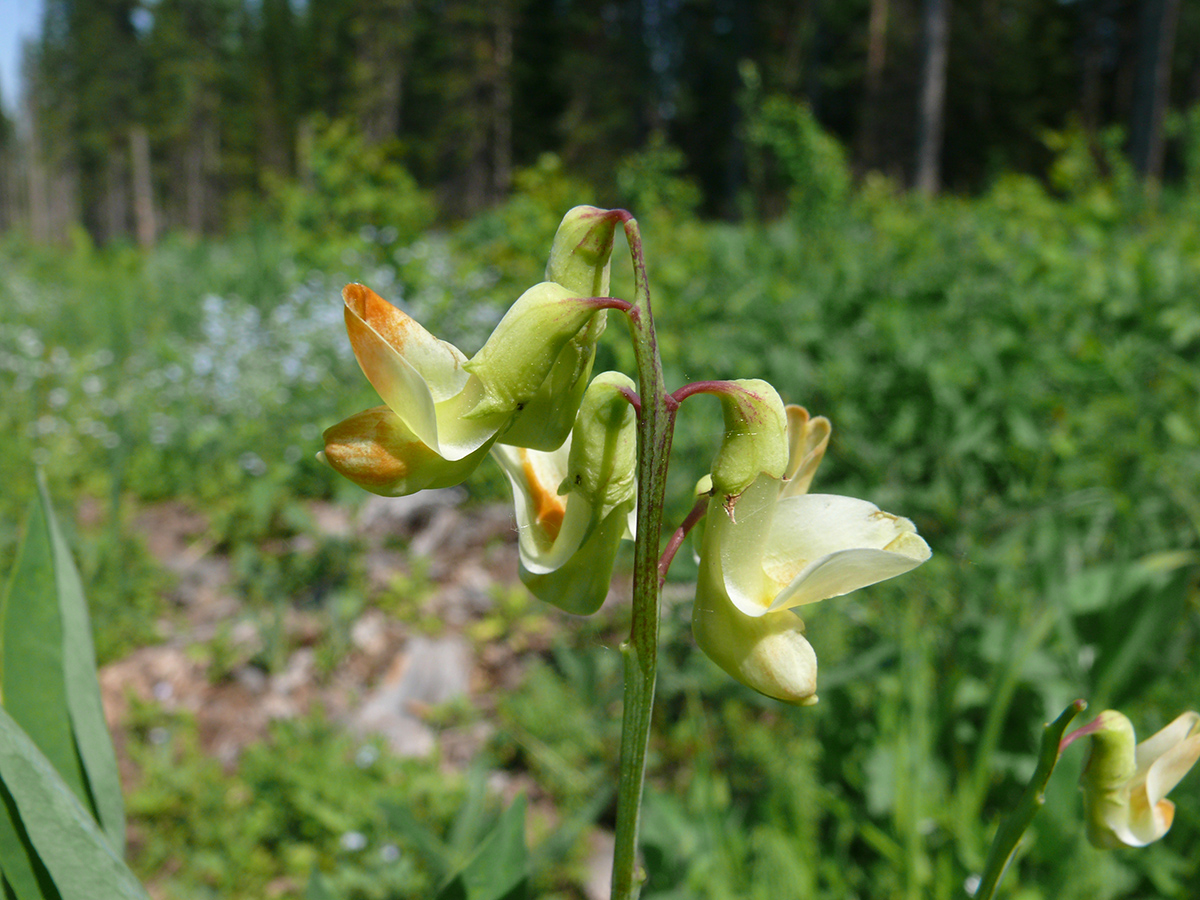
(92, 737)
(31, 665)
(24, 875)
(499, 869)
(76, 853)
(433, 851)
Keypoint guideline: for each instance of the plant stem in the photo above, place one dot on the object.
(656, 420)
(1008, 835)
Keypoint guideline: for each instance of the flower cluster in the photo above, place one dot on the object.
(524, 398)
(568, 445)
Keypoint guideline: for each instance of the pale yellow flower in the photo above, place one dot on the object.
(1125, 785)
(775, 547)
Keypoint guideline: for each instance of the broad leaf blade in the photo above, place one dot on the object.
(25, 876)
(31, 665)
(92, 737)
(499, 870)
(76, 853)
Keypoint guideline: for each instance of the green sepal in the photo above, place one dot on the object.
(524, 347)
(603, 461)
(756, 436)
(582, 249)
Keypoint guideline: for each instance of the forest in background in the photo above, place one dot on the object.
(1009, 363)
(145, 117)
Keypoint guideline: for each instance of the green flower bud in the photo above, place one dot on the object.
(545, 420)
(582, 248)
(579, 262)
(574, 504)
(603, 457)
(756, 437)
(524, 347)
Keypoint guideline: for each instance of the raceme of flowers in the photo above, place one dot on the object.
(567, 443)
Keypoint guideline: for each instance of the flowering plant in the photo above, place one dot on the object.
(587, 462)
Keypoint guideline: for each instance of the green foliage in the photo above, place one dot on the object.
(309, 796)
(353, 197)
(811, 163)
(1014, 372)
(654, 180)
(62, 829)
(498, 870)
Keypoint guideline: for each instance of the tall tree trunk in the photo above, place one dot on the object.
(1156, 44)
(502, 101)
(1093, 55)
(936, 34)
(114, 207)
(385, 37)
(145, 220)
(868, 135)
(39, 185)
(193, 184)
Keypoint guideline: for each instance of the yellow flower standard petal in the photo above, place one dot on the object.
(422, 379)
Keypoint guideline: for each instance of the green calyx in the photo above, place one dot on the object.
(603, 456)
(1112, 760)
(756, 437)
(582, 249)
(525, 347)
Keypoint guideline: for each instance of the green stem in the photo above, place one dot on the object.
(656, 421)
(1008, 835)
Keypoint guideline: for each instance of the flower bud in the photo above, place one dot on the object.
(603, 457)
(755, 441)
(524, 347)
(579, 262)
(573, 504)
(582, 249)
(545, 419)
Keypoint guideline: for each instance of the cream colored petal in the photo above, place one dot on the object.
(823, 546)
(550, 526)
(738, 537)
(807, 440)
(1158, 744)
(378, 452)
(412, 371)
(1107, 816)
(768, 653)
(1144, 824)
(1150, 812)
(580, 584)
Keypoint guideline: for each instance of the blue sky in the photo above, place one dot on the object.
(19, 19)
